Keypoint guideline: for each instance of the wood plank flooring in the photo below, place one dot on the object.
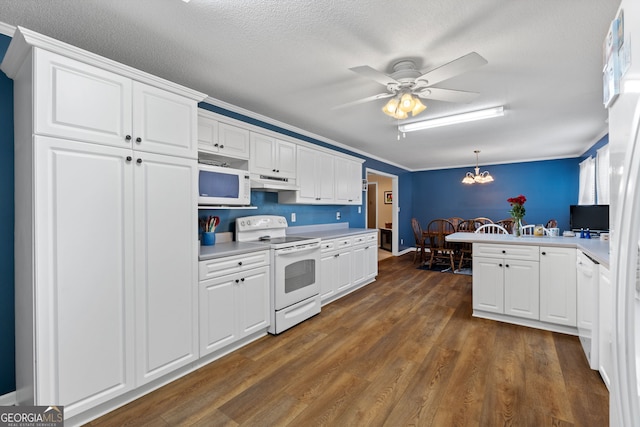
(403, 350)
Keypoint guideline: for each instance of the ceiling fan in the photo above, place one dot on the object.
(407, 85)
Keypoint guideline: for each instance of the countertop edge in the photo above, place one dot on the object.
(597, 249)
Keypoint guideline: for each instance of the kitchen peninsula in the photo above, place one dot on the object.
(529, 281)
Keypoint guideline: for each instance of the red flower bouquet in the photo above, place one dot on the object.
(517, 206)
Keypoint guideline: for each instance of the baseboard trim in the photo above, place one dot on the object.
(8, 399)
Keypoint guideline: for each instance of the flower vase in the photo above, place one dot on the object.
(517, 227)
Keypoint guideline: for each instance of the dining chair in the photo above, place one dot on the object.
(552, 223)
(507, 223)
(527, 230)
(439, 248)
(464, 250)
(420, 240)
(455, 220)
(467, 225)
(483, 220)
(492, 229)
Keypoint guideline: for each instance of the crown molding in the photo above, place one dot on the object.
(7, 29)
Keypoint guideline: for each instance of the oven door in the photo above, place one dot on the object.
(296, 275)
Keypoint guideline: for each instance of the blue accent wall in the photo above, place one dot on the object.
(7, 312)
(549, 186)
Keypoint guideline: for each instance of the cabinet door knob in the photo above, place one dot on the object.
(504, 252)
(127, 138)
(239, 262)
(336, 255)
(544, 253)
(242, 279)
(499, 265)
(221, 145)
(216, 145)
(237, 281)
(273, 170)
(506, 265)
(138, 140)
(129, 158)
(139, 161)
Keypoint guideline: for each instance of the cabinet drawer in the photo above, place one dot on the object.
(226, 265)
(343, 243)
(523, 252)
(327, 245)
(365, 238)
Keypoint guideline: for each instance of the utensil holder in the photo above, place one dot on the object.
(208, 238)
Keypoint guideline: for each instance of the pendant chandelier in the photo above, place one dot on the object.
(402, 104)
(480, 178)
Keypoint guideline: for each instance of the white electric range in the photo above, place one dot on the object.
(295, 268)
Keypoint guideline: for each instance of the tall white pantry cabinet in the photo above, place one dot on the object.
(106, 225)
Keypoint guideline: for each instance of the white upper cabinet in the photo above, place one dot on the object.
(348, 181)
(164, 122)
(78, 101)
(315, 178)
(221, 138)
(75, 100)
(272, 157)
(234, 141)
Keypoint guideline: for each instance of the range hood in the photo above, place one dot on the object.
(272, 183)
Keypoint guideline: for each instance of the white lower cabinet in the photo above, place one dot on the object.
(347, 263)
(506, 286)
(535, 283)
(605, 325)
(365, 258)
(335, 267)
(108, 272)
(233, 306)
(558, 285)
(166, 276)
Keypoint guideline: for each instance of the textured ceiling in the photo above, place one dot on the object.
(289, 60)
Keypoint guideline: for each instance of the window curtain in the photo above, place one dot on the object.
(587, 189)
(602, 175)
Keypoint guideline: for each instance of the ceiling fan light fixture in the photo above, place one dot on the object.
(407, 102)
(418, 108)
(391, 106)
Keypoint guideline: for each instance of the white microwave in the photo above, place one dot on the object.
(223, 186)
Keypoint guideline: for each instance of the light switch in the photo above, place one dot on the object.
(338, 215)
(293, 217)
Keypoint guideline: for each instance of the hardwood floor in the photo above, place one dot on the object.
(403, 350)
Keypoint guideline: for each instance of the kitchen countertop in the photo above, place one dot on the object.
(597, 249)
(220, 250)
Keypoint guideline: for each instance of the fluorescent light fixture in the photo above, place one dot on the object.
(454, 119)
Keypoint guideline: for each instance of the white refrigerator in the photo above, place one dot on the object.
(624, 146)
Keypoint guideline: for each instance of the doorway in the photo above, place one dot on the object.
(382, 209)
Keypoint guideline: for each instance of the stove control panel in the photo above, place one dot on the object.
(260, 222)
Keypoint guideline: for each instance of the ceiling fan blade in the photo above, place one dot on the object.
(375, 75)
(448, 95)
(363, 100)
(458, 66)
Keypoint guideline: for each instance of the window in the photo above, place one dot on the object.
(587, 189)
(602, 175)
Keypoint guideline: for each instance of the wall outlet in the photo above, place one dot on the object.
(338, 215)
(359, 209)
(293, 217)
(402, 241)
